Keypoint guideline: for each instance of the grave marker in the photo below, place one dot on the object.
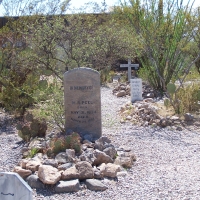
(83, 102)
(136, 89)
(129, 65)
(13, 187)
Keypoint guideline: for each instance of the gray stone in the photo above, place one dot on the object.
(179, 128)
(101, 142)
(13, 187)
(83, 102)
(88, 143)
(65, 166)
(101, 157)
(188, 117)
(34, 182)
(110, 151)
(95, 185)
(70, 173)
(121, 93)
(24, 149)
(63, 158)
(70, 152)
(149, 100)
(85, 170)
(88, 155)
(51, 162)
(68, 186)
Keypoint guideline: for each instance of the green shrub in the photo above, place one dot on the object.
(33, 152)
(52, 108)
(188, 98)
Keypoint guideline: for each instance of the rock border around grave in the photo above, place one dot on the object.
(97, 160)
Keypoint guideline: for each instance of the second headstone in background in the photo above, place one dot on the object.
(83, 102)
(136, 89)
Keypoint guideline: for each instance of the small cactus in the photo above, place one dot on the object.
(65, 142)
(171, 88)
(31, 128)
(35, 125)
(19, 127)
(166, 103)
(29, 117)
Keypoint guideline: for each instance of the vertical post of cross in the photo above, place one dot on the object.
(129, 65)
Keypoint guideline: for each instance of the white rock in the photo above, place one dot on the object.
(48, 174)
(129, 117)
(111, 170)
(70, 173)
(33, 165)
(22, 172)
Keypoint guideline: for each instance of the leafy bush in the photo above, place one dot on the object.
(52, 107)
(18, 93)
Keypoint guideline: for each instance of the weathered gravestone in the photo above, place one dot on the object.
(83, 102)
(130, 66)
(136, 89)
(13, 187)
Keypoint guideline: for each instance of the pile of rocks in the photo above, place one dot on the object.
(145, 113)
(70, 172)
(123, 89)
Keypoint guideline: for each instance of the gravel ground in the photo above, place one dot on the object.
(167, 166)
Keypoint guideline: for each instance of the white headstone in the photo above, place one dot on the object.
(129, 65)
(13, 187)
(136, 89)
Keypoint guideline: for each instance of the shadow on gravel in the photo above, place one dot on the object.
(19, 144)
(7, 124)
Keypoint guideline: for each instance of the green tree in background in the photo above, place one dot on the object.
(162, 29)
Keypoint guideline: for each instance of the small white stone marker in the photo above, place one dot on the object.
(136, 89)
(13, 187)
(129, 65)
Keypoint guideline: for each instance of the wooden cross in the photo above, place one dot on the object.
(129, 65)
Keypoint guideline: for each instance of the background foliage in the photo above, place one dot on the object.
(41, 44)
